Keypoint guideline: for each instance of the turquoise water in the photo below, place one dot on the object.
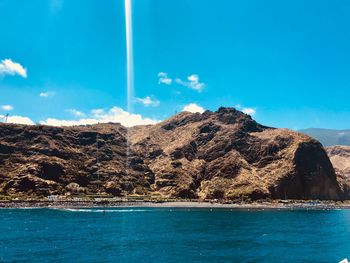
(173, 235)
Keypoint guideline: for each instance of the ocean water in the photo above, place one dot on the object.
(173, 235)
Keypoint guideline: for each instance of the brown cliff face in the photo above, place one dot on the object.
(214, 155)
(340, 158)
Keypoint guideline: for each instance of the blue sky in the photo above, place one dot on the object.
(286, 62)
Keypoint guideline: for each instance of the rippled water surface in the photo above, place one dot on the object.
(173, 235)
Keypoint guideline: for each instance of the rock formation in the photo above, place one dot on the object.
(214, 155)
(340, 158)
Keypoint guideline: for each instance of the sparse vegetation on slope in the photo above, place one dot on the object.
(214, 155)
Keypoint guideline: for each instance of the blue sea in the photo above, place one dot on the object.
(173, 235)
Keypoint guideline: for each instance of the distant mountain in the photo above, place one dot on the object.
(214, 155)
(329, 137)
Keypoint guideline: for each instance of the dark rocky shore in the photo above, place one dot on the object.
(306, 205)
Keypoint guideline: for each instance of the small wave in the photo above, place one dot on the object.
(100, 210)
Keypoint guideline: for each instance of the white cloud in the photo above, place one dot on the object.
(7, 107)
(97, 112)
(192, 83)
(148, 101)
(193, 107)
(76, 113)
(8, 67)
(164, 79)
(249, 111)
(47, 94)
(114, 114)
(17, 119)
(60, 122)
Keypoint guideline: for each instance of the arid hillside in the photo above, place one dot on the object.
(214, 155)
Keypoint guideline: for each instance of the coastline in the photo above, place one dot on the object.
(262, 205)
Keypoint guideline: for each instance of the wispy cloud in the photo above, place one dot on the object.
(246, 110)
(17, 119)
(164, 79)
(193, 107)
(97, 112)
(192, 82)
(7, 107)
(148, 101)
(47, 94)
(9, 67)
(115, 114)
(76, 113)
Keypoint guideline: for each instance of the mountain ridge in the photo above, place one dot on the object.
(214, 155)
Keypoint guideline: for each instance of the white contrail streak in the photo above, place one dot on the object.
(129, 55)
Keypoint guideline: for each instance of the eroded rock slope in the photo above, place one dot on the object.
(214, 155)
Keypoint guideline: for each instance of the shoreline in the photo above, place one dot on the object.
(293, 205)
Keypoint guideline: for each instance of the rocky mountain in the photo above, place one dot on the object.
(214, 155)
(329, 137)
(44, 160)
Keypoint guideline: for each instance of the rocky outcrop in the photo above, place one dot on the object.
(214, 155)
(340, 158)
(226, 154)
